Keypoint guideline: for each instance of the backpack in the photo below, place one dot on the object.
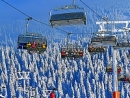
(52, 95)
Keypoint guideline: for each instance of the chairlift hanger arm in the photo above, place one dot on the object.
(15, 8)
(73, 2)
(72, 6)
(28, 19)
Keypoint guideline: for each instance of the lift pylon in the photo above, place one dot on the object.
(116, 93)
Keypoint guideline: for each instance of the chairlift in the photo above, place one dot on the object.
(71, 51)
(3, 87)
(13, 96)
(96, 49)
(26, 41)
(109, 69)
(69, 17)
(106, 40)
(122, 44)
(33, 89)
(19, 86)
(26, 92)
(124, 78)
(128, 56)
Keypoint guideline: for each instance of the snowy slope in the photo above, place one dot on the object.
(25, 75)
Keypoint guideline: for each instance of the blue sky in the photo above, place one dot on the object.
(34, 8)
(38, 8)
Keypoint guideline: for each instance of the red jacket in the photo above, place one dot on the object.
(34, 45)
(52, 95)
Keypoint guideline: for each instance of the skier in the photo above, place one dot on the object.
(54, 93)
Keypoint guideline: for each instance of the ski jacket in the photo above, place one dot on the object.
(52, 95)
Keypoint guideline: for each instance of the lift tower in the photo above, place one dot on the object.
(119, 46)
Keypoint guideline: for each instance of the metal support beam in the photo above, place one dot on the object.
(114, 63)
(113, 26)
(116, 93)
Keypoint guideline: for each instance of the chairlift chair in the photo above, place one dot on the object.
(122, 44)
(109, 69)
(13, 96)
(106, 40)
(24, 39)
(128, 56)
(96, 49)
(3, 87)
(124, 78)
(68, 17)
(71, 51)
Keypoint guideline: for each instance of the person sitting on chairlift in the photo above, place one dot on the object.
(38, 45)
(43, 45)
(34, 45)
(54, 93)
(28, 44)
(39, 48)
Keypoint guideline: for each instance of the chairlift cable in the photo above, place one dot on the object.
(104, 18)
(49, 25)
(31, 17)
(15, 8)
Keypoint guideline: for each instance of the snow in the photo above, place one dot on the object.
(81, 78)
